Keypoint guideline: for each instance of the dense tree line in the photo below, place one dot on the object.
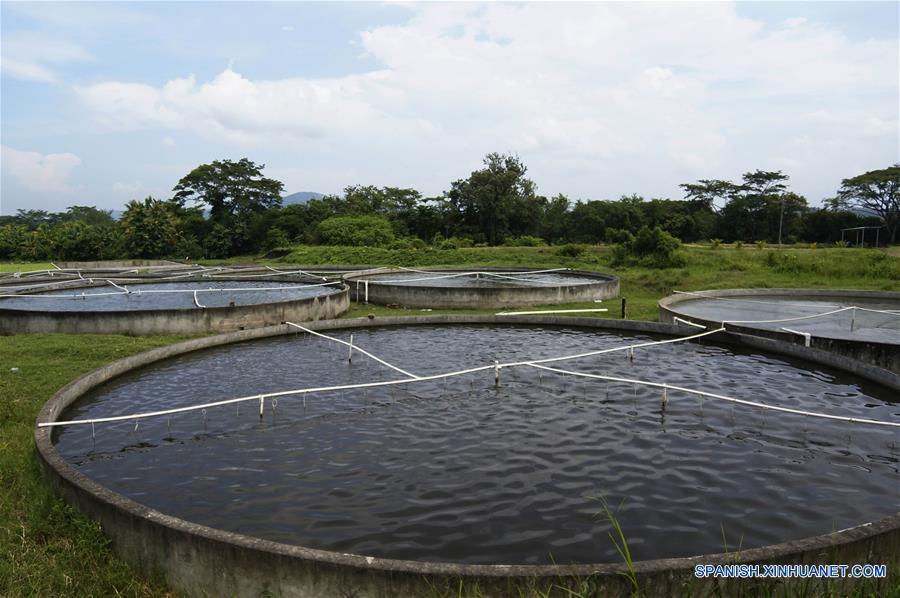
(228, 208)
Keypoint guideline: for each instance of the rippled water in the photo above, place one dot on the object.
(852, 324)
(470, 473)
(485, 280)
(177, 295)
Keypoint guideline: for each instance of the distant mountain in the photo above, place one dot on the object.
(300, 197)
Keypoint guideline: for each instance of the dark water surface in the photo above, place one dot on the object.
(860, 324)
(480, 280)
(178, 295)
(471, 473)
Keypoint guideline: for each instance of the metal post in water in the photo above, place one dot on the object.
(665, 395)
(496, 373)
(852, 319)
(262, 403)
(350, 355)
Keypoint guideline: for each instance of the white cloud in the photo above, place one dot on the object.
(129, 189)
(40, 173)
(30, 56)
(592, 90)
(287, 27)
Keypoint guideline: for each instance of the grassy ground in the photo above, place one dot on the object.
(47, 549)
(707, 268)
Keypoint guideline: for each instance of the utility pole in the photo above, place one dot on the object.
(780, 219)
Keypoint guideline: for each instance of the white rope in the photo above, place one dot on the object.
(411, 379)
(689, 323)
(352, 346)
(476, 273)
(790, 303)
(117, 286)
(712, 395)
(164, 291)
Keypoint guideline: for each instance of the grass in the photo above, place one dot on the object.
(47, 549)
(707, 268)
(24, 266)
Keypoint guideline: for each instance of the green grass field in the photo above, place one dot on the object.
(47, 549)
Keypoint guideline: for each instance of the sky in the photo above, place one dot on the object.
(102, 103)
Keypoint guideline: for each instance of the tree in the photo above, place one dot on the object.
(495, 197)
(706, 191)
(230, 189)
(149, 228)
(878, 191)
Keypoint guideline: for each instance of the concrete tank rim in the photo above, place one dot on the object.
(339, 287)
(359, 276)
(676, 298)
(46, 451)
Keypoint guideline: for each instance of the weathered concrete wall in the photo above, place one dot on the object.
(176, 321)
(384, 293)
(202, 561)
(884, 355)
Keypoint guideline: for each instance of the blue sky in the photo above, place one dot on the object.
(107, 102)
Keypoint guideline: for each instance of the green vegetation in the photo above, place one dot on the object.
(46, 548)
(225, 209)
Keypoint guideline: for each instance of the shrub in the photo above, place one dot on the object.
(618, 235)
(653, 248)
(355, 231)
(715, 243)
(525, 241)
(760, 244)
(455, 243)
(570, 250)
(738, 244)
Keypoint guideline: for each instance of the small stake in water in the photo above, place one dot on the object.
(262, 402)
(304, 400)
(496, 373)
(135, 426)
(92, 431)
(203, 413)
(665, 395)
(350, 354)
(631, 354)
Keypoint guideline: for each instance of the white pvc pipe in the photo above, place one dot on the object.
(689, 323)
(712, 395)
(806, 336)
(412, 378)
(351, 345)
(549, 311)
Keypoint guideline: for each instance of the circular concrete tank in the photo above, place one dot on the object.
(197, 558)
(864, 325)
(145, 306)
(482, 288)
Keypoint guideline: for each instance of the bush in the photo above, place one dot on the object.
(618, 235)
(455, 243)
(570, 250)
(408, 243)
(715, 243)
(525, 241)
(738, 244)
(760, 244)
(653, 248)
(355, 231)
